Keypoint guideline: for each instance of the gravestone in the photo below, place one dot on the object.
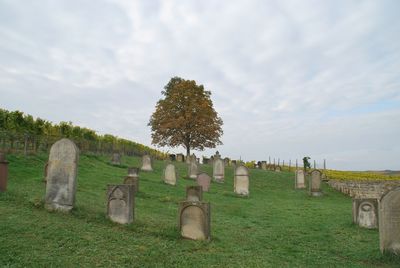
(204, 181)
(315, 183)
(170, 175)
(116, 159)
(242, 180)
(278, 169)
(218, 170)
(61, 176)
(227, 162)
(389, 222)
(299, 181)
(180, 158)
(146, 163)
(133, 178)
(194, 193)
(193, 169)
(194, 220)
(3, 172)
(121, 203)
(263, 165)
(365, 213)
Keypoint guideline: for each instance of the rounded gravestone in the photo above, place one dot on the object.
(204, 180)
(389, 222)
(315, 183)
(61, 176)
(170, 174)
(241, 181)
(146, 163)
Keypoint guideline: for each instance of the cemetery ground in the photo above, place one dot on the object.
(276, 226)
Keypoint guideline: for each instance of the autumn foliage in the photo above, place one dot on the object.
(185, 117)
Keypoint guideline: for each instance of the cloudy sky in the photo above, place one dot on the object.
(289, 78)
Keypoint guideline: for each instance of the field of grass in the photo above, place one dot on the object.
(276, 226)
(362, 175)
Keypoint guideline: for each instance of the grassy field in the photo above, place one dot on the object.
(276, 226)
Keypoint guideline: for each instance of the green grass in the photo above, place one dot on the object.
(276, 226)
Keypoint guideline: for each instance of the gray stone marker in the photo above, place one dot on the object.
(121, 203)
(218, 170)
(278, 169)
(241, 180)
(299, 181)
(194, 193)
(315, 183)
(116, 159)
(146, 163)
(180, 158)
(365, 213)
(193, 169)
(204, 181)
(133, 178)
(61, 176)
(263, 165)
(389, 222)
(170, 175)
(194, 220)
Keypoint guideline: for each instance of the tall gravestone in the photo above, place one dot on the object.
(365, 213)
(147, 163)
(133, 178)
(389, 222)
(170, 175)
(121, 203)
(194, 193)
(241, 180)
(300, 182)
(116, 159)
(218, 169)
(204, 181)
(194, 220)
(315, 183)
(193, 169)
(3, 172)
(61, 176)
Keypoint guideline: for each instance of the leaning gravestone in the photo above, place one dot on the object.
(193, 169)
(170, 174)
(133, 178)
(194, 220)
(116, 159)
(299, 182)
(194, 193)
(61, 176)
(365, 213)
(241, 181)
(204, 181)
(389, 222)
(121, 203)
(218, 170)
(315, 183)
(146, 163)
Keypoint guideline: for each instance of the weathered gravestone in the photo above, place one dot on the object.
(365, 213)
(299, 181)
(133, 178)
(194, 193)
(61, 176)
(278, 169)
(194, 220)
(146, 163)
(121, 203)
(193, 169)
(3, 172)
(263, 165)
(242, 180)
(315, 183)
(204, 181)
(180, 158)
(116, 159)
(170, 174)
(218, 170)
(389, 222)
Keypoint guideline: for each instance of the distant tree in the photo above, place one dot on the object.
(306, 163)
(185, 117)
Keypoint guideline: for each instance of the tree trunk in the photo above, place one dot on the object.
(187, 151)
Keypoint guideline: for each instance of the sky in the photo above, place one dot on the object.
(289, 78)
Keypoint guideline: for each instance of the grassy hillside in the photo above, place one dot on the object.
(276, 226)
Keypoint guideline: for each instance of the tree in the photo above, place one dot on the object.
(306, 163)
(185, 117)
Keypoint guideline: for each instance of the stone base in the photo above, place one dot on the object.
(193, 177)
(58, 207)
(316, 194)
(219, 180)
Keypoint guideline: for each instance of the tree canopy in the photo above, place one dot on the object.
(185, 117)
